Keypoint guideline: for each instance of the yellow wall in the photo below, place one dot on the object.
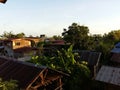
(19, 43)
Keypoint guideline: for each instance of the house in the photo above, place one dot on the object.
(110, 76)
(35, 40)
(30, 76)
(15, 43)
(16, 48)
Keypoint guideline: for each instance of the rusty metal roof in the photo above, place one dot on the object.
(23, 49)
(24, 72)
(91, 57)
(15, 70)
(109, 75)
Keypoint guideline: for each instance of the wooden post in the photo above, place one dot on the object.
(59, 84)
(60, 81)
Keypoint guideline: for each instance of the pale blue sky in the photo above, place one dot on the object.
(35, 17)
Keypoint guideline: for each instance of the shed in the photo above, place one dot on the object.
(92, 58)
(30, 76)
(110, 76)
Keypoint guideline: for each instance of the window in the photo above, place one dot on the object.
(17, 43)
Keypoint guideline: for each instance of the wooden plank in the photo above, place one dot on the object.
(47, 81)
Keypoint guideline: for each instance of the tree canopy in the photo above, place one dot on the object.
(113, 36)
(12, 35)
(76, 35)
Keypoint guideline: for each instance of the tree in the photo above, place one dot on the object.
(57, 37)
(76, 35)
(112, 37)
(20, 35)
(8, 35)
(12, 35)
(94, 41)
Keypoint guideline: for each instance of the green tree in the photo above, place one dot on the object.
(20, 35)
(12, 35)
(112, 37)
(8, 35)
(57, 37)
(94, 41)
(76, 35)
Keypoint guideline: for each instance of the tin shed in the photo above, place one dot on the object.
(110, 76)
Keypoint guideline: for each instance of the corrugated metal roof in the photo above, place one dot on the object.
(117, 45)
(115, 50)
(91, 57)
(109, 75)
(24, 72)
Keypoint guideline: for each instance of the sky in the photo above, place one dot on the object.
(49, 17)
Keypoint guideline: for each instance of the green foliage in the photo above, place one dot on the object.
(113, 36)
(79, 78)
(8, 85)
(65, 61)
(12, 35)
(40, 44)
(76, 35)
(20, 35)
(94, 41)
(55, 37)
